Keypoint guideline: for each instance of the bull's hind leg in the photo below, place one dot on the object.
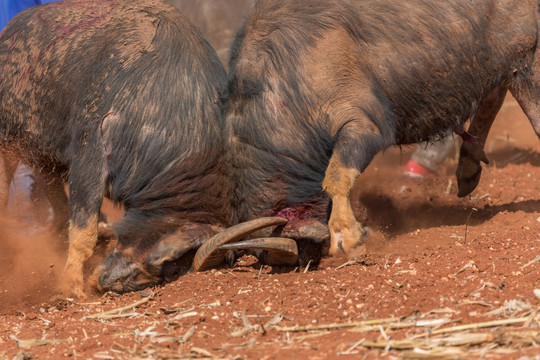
(472, 150)
(86, 191)
(353, 151)
(56, 195)
(7, 170)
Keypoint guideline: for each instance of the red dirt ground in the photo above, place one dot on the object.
(459, 261)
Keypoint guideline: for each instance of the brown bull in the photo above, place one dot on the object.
(318, 87)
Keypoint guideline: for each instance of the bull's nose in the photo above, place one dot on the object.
(120, 274)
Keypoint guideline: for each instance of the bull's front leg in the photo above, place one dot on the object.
(356, 144)
(82, 241)
(86, 189)
(472, 149)
(346, 233)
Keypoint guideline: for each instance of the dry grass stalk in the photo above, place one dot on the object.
(307, 267)
(533, 261)
(188, 334)
(118, 311)
(353, 347)
(447, 347)
(112, 316)
(510, 308)
(371, 325)
(275, 320)
(393, 344)
(467, 225)
(348, 263)
(300, 338)
(202, 352)
(463, 339)
(247, 327)
(476, 326)
(472, 302)
(297, 328)
(26, 343)
(438, 354)
(457, 340)
(520, 338)
(244, 331)
(185, 314)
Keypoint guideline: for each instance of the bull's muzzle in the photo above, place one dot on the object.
(119, 273)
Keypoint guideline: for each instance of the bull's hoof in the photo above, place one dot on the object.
(469, 170)
(467, 182)
(213, 251)
(71, 286)
(349, 241)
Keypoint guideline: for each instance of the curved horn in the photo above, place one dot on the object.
(281, 251)
(210, 254)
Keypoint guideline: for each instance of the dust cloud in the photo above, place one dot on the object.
(31, 261)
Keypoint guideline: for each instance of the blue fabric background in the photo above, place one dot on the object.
(10, 8)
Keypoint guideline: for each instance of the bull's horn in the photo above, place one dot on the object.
(281, 251)
(210, 255)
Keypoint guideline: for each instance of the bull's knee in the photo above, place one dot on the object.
(347, 235)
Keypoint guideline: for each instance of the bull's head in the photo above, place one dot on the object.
(124, 271)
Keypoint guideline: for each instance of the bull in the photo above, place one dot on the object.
(120, 99)
(318, 87)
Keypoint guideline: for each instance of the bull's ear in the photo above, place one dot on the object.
(172, 246)
(211, 253)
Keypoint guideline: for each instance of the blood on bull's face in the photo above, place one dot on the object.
(317, 88)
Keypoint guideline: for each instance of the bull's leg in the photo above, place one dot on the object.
(353, 151)
(346, 232)
(472, 152)
(7, 170)
(85, 196)
(56, 195)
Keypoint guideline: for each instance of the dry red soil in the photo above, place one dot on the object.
(436, 262)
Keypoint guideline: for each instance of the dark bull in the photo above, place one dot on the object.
(118, 98)
(317, 88)
(121, 98)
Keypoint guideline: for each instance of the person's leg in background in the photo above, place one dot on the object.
(428, 157)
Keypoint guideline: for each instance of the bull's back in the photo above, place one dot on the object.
(69, 68)
(415, 64)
